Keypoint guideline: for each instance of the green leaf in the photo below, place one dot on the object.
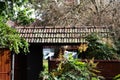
(9, 38)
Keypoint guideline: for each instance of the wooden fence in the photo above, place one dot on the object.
(5, 64)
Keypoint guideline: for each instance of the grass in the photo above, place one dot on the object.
(45, 64)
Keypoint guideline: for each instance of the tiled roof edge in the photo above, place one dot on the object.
(57, 27)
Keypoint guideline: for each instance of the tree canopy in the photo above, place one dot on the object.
(17, 10)
(82, 13)
(86, 12)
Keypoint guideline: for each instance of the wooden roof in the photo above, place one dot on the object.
(59, 34)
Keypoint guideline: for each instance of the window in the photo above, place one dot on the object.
(48, 53)
(68, 53)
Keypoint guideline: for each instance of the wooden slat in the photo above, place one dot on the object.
(5, 64)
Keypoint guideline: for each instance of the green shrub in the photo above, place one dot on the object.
(10, 38)
(73, 69)
(100, 48)
(117, 77)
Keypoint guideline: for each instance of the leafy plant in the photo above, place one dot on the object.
(10, 38)
(117, 77)
(23, 17)
(19, 11)
(100, 48)
(73, 69)
(117, 43)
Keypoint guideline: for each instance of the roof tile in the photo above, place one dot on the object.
(59, 35)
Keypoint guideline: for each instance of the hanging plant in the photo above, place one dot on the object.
(10, 38)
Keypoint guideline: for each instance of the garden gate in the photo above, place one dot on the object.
(5, 64)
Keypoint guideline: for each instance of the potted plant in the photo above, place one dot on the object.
(104, 51)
